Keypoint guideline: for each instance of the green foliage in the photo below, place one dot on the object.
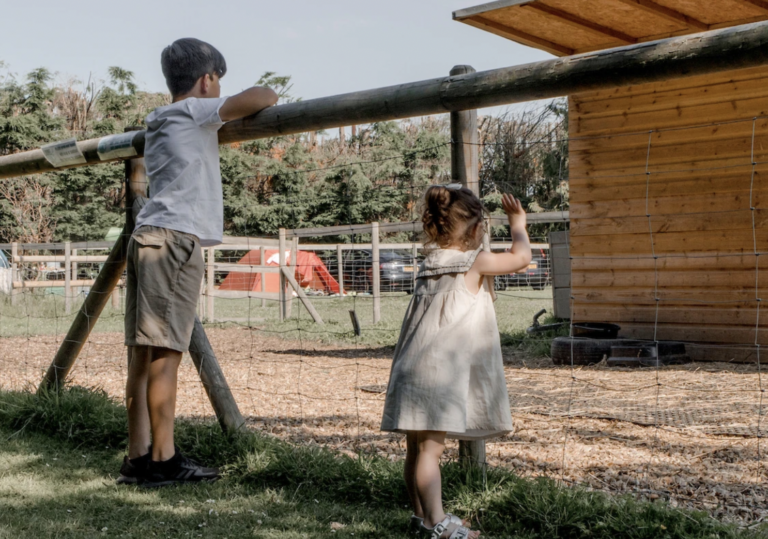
(290, 181)
(281, 84)
(25, 118)
(76, 415)
(86, 202)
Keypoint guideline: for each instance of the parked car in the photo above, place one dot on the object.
(396, 268)
(4, 264)
(536, 275)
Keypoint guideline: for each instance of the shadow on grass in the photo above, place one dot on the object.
(382, 352)
(50, 490)
(504, 505)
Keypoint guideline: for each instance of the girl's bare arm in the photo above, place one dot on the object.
(518, 257)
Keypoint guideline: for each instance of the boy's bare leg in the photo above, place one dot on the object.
(412, 452)
(136, 401)
(161, 400)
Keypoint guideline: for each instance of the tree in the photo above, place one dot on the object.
(290, 181)
(26, 121)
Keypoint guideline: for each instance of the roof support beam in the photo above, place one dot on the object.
(577, 21)
(667, 13)
(716, 51)
(762, 4)
(518, 35)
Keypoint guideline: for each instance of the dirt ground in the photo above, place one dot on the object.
(692, 434)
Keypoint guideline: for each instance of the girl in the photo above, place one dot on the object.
(447, 376)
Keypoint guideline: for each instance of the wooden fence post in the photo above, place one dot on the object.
(464, 138)
(200, 349)
(282, 285)
(67, 277)
(465, 170)
(73, 273)
(116, 298)
(415, 254)
(109, 276)
(262, 254)
(292, 267)
(215, 384)
(86, 318)
(376, 273)
(472, 453)
(210, 289)
(14, 272)
(340, 268)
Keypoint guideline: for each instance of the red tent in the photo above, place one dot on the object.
(310, 272)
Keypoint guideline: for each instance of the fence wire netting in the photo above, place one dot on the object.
(690, 434)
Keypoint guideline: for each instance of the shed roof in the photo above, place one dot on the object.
(566, 27)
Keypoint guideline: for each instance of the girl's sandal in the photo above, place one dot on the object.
(415, 524)
(452, 524)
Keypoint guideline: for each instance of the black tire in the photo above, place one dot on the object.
(666, 348)
(570, 351)
(592, 351)
(538, 286)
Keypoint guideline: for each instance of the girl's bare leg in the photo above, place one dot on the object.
(411, 455)
(431, 446)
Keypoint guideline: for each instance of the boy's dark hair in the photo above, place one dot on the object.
(451, 215)
(186, 60)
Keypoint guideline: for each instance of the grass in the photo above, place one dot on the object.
(43, 314)
(60, 453)
(534, 344)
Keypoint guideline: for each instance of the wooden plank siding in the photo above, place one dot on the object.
(692, 211)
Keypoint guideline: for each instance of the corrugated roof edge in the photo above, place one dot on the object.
(490, 6)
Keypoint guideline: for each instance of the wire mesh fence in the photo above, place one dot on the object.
(690, 434)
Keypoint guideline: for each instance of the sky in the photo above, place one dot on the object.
(328, 46)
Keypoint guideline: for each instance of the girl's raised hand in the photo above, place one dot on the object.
(514, 210)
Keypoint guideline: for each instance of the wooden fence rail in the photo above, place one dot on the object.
(210, 291)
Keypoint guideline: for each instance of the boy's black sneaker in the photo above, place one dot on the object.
(177, 470)
(133, 470)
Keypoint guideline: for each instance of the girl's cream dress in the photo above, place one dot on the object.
(448, 374)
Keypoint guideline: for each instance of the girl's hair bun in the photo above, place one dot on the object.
(450, 215)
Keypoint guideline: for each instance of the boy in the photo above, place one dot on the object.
(165, 263)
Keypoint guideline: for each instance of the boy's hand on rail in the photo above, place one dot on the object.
(515, 212)
(246, 103)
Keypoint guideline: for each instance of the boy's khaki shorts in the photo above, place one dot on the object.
(165, 269)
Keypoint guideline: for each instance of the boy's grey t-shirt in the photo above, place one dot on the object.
(182, 160)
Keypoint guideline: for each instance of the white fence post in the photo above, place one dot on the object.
(376, 273)
(210, 290)
(292, 266)
(263, 262)
(340, 268)
(14, 272)
(67, 277)
(74, 266)
(281, 258)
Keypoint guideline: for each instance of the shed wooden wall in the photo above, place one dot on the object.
(698, 196)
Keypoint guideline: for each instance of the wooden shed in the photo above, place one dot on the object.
(668, 181)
